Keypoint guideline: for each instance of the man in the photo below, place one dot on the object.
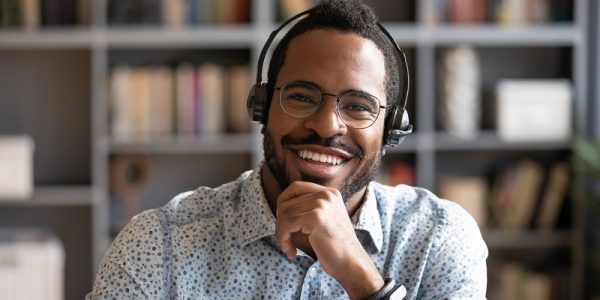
(309, 222)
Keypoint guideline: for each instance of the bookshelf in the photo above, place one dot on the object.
(69, 117)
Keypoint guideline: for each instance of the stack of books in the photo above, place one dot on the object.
(189, 100)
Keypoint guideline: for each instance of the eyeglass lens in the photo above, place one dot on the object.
(357, 110)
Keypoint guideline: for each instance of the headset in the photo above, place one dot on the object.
(397, 122)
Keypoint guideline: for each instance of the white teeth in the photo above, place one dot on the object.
(305, 154)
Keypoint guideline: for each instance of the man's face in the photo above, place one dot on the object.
(336, 62)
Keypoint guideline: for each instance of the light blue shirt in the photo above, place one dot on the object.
(218, 243)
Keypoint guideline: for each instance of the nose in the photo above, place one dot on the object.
(325, 121)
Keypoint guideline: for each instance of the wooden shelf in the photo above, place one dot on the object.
(564, 46)
(70, 37)
(493, 35)
(227, 143)
(485, 35)
(230, 36)
(506, 239)
(53, 196)
(489, 140)
(244, 36)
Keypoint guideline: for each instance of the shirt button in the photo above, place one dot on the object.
(312, 272)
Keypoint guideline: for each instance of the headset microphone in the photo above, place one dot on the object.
(397, 121)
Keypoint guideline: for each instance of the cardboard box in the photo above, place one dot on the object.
(534, 110)
(16, 167)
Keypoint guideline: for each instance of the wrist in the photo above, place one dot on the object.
(386, 292)
(361, 279)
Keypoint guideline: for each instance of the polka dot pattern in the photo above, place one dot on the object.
(219, 243)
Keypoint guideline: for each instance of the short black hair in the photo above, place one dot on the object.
(351, 16)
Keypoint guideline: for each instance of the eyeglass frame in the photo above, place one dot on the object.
(337, 106)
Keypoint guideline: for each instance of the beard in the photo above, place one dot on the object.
(349, 186)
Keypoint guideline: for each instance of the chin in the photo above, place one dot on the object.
(348, 182)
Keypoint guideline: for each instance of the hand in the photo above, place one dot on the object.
(319, 213)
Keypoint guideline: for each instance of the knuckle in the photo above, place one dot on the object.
(332, 193)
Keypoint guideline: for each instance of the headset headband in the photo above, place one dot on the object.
(401, 55)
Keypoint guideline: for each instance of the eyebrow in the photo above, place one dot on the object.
(343, 92)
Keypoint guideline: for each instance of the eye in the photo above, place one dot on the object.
(357, 108)
(301, 98)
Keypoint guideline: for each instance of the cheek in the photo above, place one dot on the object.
(279, 123)
(369, 142)
(373, 135)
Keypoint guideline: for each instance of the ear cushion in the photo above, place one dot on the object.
(397, 127)
(257, 103)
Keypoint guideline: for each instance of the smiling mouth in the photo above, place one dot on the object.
(320, 157)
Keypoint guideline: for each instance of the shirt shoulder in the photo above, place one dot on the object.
(204, 202)
(424, 213)
(403, 201)
(448, 235)
(139, 260)
(138, 245)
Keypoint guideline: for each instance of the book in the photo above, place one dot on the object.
(160, 106)
(210, 115)
(502, 12)
(515, 194)
(289, 8)
(184, 98)
(122, 12)
(158, 101)
(30, 14)
(59, 12)
(468, 192)
(10, 13)
(241, 11)
(120, 109)
(139, 97)
(85, 12)
(524, 195)
(173, 13)
(240, 82)
(207, 11)
(223, 11)
(515, 281)
(151, 12)
(467, 11)
(554, 195)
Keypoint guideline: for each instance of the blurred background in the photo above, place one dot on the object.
(110, 107)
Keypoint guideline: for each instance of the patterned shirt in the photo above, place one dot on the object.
(219, 243)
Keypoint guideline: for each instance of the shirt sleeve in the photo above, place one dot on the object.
(457, 269)
(133, 267)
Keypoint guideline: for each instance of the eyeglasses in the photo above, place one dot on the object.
(356, 109)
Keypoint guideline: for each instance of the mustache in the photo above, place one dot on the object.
(315, 139)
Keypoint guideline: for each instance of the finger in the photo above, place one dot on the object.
(299, 205)
(298, 188)
(306, 192)
(284, 229)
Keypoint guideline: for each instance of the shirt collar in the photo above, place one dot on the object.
(257, 221)
(367, 221)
